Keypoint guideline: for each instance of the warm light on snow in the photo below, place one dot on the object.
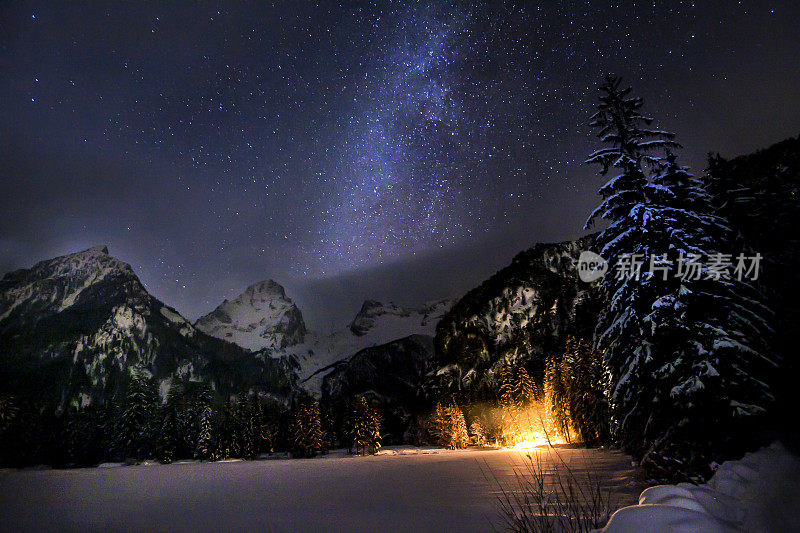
(532, 441)
(535, 439)
(531, 427)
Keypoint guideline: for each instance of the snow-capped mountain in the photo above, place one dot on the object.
(375, 324)
(261, 317)
(391, 321)
(264, 318)
(73, 325)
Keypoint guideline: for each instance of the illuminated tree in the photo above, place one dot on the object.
(362, 427)
(205, 441)
(306, 429)
(448, 426)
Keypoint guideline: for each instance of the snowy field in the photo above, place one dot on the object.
(405, 489)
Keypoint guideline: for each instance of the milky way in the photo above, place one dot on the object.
(216, 146)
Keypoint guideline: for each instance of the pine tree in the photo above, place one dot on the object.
(205, 442)
(460, 437)
(246, 426)
(575, 384)
(138, 416)
(524, 390)
(169, 434)
(331, 433)
(188, 399)
(672, 343)
(448, 426)
(307, 438)
(227, 433)
(557, 392)
(517, 389)
(477, 433)
(362, 427)
(8, 412)
(507, 385)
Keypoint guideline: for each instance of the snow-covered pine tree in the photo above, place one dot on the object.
(227, 432)
(169, 434)
(680, 349)
(246, 426)
(205, 439)
(448, 426)
(187, 398)
(524, 389)
(362, 427)
(307, 438)
(138, 416)
(438, 425)
(507, 385)
(575, 384)
(557, 393)
(459, 437)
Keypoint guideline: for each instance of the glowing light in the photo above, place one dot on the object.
(531, 427)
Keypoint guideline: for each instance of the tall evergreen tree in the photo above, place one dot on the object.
(576, 383)
(517, 388)
(138, 416)
(448, 426)
(363, 427)
(682, 350)
(247, 426)
(307, 437)
(206, 448)
(227, 432)
(169, 437)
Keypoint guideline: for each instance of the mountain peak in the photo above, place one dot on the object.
(370, 311)
(261, 317)
(268, 287)
(100, 249)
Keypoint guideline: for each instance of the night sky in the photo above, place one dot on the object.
(352, 150)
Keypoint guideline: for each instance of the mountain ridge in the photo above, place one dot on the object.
(73, 325)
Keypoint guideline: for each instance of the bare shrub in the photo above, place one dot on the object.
(553, 497)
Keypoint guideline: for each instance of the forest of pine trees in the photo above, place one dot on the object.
(575, 385)
(686, 355)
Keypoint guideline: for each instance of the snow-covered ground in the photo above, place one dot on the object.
(757, 493)
(406, 489)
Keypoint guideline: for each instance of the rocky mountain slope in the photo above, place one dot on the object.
(524, 312)
(71, 326)
(376, 324)
(261, 317)
(393, 375)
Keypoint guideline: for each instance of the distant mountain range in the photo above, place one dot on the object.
(71, 326)
(263, 319)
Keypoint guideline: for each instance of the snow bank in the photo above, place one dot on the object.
(756, 493)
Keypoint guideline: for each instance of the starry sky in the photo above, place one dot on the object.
(352, 149)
